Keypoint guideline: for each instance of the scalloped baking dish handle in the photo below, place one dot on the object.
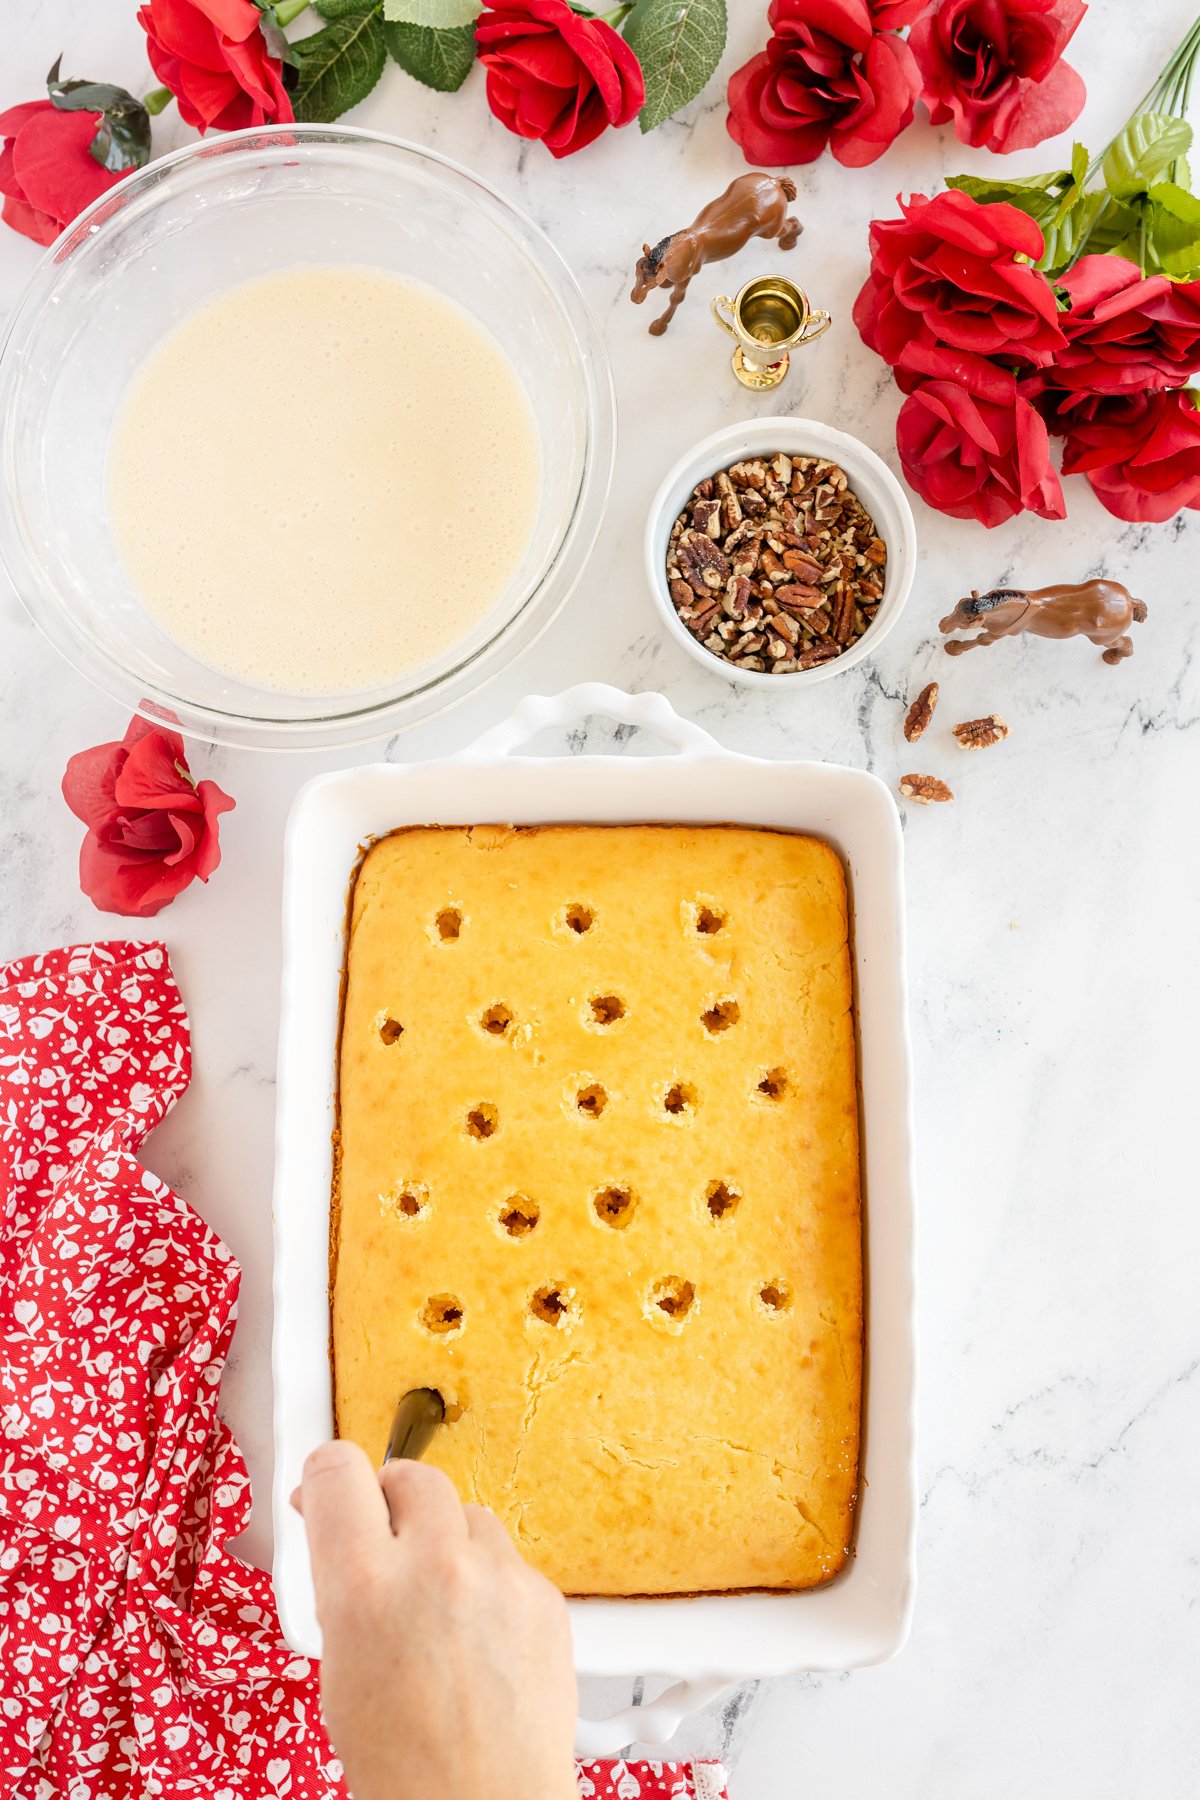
(656, 1723)
(538, 712)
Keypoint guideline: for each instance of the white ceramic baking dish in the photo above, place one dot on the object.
(704, 1643)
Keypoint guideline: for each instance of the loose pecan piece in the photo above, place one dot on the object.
(924, 788)
(978, 734)
(921, 711)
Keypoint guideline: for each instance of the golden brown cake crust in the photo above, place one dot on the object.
(600, 1187)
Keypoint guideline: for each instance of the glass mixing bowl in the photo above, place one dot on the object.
(172, 237)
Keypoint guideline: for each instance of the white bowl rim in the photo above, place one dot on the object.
(818, 438)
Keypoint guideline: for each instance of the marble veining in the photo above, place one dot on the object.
(1053, 958)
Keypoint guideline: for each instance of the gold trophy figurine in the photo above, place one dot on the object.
(770, 317)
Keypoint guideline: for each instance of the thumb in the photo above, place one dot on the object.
(345, 1512)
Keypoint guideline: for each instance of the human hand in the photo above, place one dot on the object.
(447, 1671)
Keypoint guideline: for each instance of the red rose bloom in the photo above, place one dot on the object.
(214, 58)
(1141, 452)
(973, 447)
(554, 75)
(47, 171)
(1126, 331)
(894, 15)
(993, 67)
(947, 273)
(151, 828)
(827, 77)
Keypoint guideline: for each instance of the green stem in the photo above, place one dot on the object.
(287, 10)
(1179, 63)
(157, 100)
(617, 17)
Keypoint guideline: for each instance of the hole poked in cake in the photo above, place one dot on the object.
(706, 918)
(483, 1120)
(519, 1215)
(442, 1314)
(605, 1009)
(496, 1020)
(448, 924)
(590, 1101)
(671, 1300)
(615, 1206)
(679, 1100)
(390, 1030)
(775, 1296)
(554, 1305)
(720, 1016)
(406, 1201)
(772, 1085)
(722, 1200)
(579, 918)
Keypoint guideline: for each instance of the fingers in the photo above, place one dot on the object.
(344, 1513)
(421, 1501)
(486, 1530)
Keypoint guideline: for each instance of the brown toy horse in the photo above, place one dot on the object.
(754, 205)
(1099, 610)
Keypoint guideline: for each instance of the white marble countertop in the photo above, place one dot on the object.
(1054, 952)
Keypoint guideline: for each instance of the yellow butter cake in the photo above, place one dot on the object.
(598, 1184)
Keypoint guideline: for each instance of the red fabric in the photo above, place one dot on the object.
(138, 1657)
(554, 75)
(47, 171)
(152, 830)
(1126, 331)
(994, 68)
(947, 272)
(1140, 452)
(973, 446)
(214, 58)
(827, 78)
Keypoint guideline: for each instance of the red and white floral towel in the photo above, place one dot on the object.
(138, 1657)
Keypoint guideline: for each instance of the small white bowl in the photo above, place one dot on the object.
(868, 476)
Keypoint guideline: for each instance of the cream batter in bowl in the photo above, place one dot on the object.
(305, 434)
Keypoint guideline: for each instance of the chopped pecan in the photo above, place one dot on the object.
(774, 563)
(979, 734)
(921, 711)
(706, 516)
(924, 788)
(703, 565)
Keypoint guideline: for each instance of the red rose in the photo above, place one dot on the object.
(993, 67)
(826, 77)
(973, 447)
(554, 75)
(1126, 331)
(947, 272)
(894, 15)
(213, 56)
(1141, 452)
(151, 828)
(47, 171)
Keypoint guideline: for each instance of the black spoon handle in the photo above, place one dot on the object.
(418, 1416)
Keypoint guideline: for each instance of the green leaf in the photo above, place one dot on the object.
(1144, 152)
(337, 66)
(1173, 231)
(1037, 195)
(344, 9)
(679, 44)
(441, 59)
(122, 139)
(273, 35)
(434, 15)
(1080, 162)
(1065, 238)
